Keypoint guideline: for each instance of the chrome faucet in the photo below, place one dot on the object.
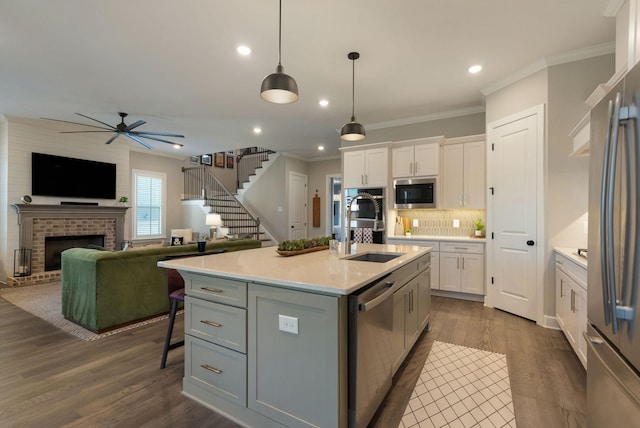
(347, 247)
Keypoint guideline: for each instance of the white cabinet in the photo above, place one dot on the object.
(435, 257)
(463, 175)
(462, 267)
(420, 159)
(365, 168)
(571, 304)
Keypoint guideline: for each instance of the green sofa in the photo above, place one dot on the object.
(102, 290)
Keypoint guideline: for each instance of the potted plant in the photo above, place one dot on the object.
(202, 242)
(479, 226)
(123, 200)
(407, 232)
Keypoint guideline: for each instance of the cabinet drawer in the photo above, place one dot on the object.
(221, 324)
(462, 247)
(217, 369)
(219, 290)
(574, 270)
(424, 262)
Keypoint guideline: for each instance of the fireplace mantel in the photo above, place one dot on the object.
(27, 212)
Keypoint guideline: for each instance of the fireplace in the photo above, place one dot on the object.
(55, 245)
(39, 223)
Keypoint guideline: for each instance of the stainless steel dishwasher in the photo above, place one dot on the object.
(370, 345)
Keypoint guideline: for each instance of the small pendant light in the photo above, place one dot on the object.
(353, 131)
(278, 87)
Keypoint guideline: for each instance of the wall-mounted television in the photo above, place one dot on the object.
(69, 177)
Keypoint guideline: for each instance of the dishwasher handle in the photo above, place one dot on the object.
(367, 306)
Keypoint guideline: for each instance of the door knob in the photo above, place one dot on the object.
(530, 243)
(292, 226)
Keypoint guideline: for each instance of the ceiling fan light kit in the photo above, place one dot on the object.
(278, 87)
(353, 131)
(124, 129)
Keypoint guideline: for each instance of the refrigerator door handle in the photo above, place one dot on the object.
(603, 216)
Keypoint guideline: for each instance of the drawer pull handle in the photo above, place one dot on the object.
(211, 323)
(213, 290)
(461, 248)
(211, 369)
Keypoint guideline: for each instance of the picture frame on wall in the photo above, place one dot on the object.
(230, 161)
(205, 159)
(219, 160)
(194, 159)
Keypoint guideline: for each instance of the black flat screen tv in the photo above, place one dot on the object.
(69, 177)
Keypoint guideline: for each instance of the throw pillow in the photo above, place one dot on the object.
(177, 240)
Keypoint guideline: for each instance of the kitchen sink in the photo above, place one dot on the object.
(374, 257)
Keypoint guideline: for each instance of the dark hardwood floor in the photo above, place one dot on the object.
(51, 379)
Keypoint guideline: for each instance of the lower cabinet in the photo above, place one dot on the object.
(571, 304)
(462, 267)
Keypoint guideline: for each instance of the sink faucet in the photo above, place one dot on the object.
(361, 195)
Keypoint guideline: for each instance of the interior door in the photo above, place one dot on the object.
(513, 178)
(297, 205)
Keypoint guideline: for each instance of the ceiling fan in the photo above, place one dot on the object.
(124, 129)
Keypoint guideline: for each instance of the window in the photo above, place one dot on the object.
(149, 194)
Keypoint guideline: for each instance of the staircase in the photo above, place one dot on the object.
(201, 184)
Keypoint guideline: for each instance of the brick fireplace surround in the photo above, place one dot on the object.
(36, 222)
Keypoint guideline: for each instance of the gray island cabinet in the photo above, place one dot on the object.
(266, 337)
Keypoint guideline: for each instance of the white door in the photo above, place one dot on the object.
(514, 160)
(297, 206)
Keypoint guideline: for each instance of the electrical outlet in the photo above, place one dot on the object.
(415, 222)
(456, 222)
(288, 324)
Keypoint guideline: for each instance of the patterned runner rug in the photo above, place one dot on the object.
(461, 387)
(44, 302)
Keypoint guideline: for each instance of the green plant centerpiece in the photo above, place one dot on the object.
(299, 246)
(408, 231)
(479, 226)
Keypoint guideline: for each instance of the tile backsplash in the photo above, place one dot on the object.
(440, 222)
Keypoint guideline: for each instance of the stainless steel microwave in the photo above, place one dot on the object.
(415, 193)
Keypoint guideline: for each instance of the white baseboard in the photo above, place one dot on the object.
(550, 322)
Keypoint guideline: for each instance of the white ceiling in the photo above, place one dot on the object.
(174, 63)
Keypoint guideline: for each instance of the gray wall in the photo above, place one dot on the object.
(318, 173)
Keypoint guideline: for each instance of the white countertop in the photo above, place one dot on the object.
(317, 271)
(570, 253)
(438, 238)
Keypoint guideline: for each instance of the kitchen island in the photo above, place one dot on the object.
(269, 340)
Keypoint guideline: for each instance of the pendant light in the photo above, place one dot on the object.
(353, 131)
(278, 87)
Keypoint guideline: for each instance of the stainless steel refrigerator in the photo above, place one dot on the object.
(613, 333)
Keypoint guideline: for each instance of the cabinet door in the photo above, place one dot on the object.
(303, 388)
(474, 175)
(561, 297)
(581, 321)
(402, 161)
(353, 169)
(449, 272)
(412, 321)
(472, 273)
(376, 167)
(435, 270)
(452, 176)
(400, 305)
(426, 159)
(424, 298)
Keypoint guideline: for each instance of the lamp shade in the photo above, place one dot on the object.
(279, 88)
(352, 131)
(213, 219)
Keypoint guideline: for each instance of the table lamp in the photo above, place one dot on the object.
(213, 220)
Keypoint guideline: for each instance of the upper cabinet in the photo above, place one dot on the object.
(463, 173)
(416, 158)
(365, 168)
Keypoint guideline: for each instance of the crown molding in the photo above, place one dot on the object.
(551, 60)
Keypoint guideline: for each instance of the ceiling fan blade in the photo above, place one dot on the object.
(83, 124)
(96, 120)
(134, 125)
(162, 134)
(138, 140)
(113, 137)
(83, 132)
(161, 140)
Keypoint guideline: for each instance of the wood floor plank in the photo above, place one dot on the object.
(50, 378)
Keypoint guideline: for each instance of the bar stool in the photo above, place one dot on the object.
(175, 290)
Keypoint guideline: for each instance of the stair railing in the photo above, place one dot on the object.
(247, 160)
(201, 183)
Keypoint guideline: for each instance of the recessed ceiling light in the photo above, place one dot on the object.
(244, 50)
(475, 69)
(257, 130)
(321, 147)
(323, 103)
(177, 146)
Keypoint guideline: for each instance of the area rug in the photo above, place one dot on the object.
(461, 386)
(44, 302)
